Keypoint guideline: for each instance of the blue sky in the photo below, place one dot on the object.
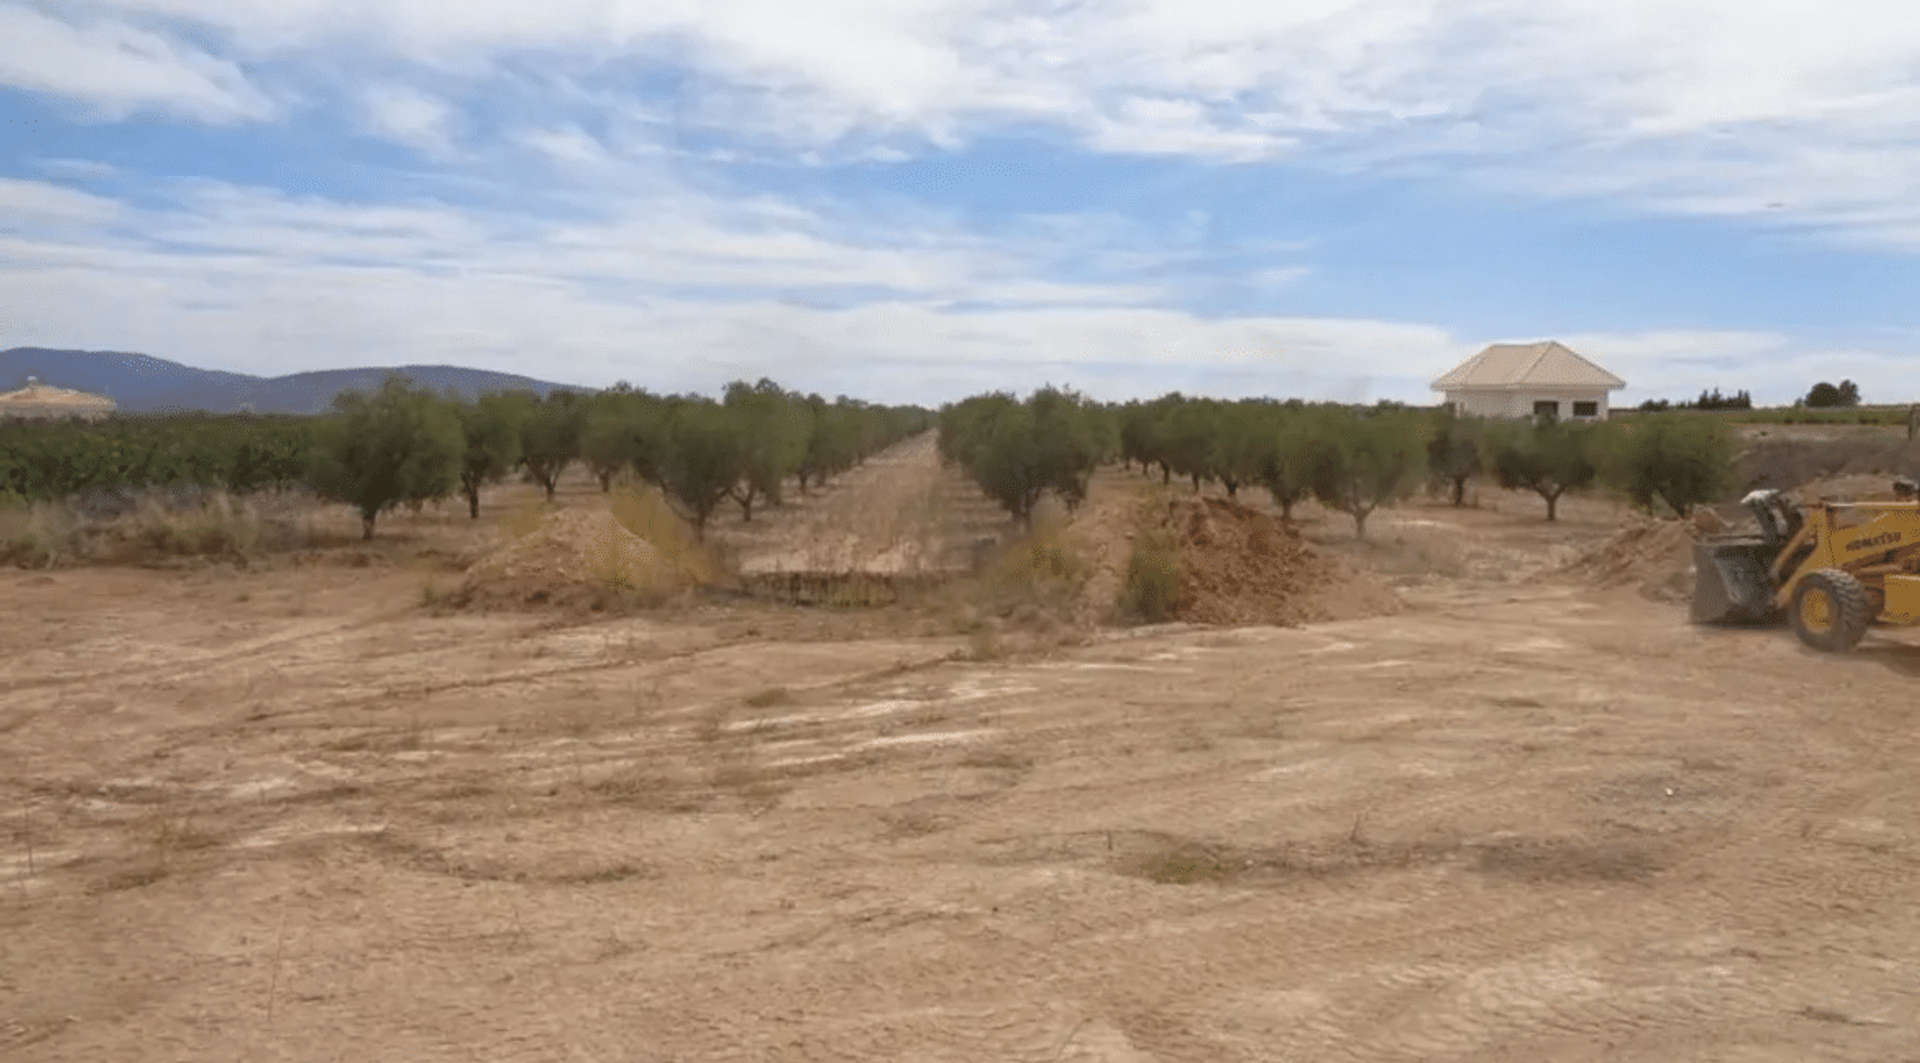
(915, 200)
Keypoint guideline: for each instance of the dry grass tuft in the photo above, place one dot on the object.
(40, 534)
(643, 511)
(50, 534)
(1151, 591)
(1027, 600)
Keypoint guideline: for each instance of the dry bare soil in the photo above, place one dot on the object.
(294, 814)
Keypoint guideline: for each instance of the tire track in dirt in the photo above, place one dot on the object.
(1464, 1008)
(1456, 1023)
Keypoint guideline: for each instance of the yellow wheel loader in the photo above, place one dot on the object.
(1832, 568)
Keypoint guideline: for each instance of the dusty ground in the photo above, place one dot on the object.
(293, 815)
(889, 515)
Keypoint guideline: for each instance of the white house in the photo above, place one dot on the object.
(1513, 380)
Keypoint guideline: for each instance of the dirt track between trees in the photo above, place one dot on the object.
(292, 815)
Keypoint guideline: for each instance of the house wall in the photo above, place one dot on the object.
(1504, 404)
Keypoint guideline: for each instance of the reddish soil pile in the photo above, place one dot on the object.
(574, 558)
(1654, 555)
(1239, 566)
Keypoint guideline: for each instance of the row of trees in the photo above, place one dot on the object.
(401, 444)
(1823, 395)
(1708, 400)
(1351, 460)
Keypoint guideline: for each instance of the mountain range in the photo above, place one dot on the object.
(141, 383)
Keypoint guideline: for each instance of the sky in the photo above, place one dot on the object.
(919, 200)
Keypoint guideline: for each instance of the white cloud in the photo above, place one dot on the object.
(568, 145)
(406, 115)
(674, 293)
(76, 169)
(1756, 109)
(1691, 106)
(34, 206)
(685, 293)
(117, 70)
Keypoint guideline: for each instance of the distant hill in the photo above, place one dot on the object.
(144, 384)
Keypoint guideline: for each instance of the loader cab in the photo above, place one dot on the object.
(1779, 519)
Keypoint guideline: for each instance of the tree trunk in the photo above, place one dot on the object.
(1232, 486)
(549, 485)
(1196, 483)
(1286, 510)
(1166, 474)
(473, 503)
(366, 527)
(1459, 490)
(606, 482)
(1553, 504)
(1360, 523)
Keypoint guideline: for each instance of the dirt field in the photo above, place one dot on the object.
(293, 814)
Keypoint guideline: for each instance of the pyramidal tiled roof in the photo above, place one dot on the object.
(1510, 365)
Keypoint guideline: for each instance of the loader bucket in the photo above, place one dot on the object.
(1731, 583)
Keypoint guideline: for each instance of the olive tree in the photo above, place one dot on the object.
(1366, 461)
(703, 459)
(1290, 458)
(1456, 450)
(398, 444)
(1548, 459)
(773, 433)
(1676, 459)
(491, 429)
(550, 438)
(1018, 451)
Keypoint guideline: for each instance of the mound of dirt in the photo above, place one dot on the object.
(1654, 555)
(1785, 464)
(1239, 566)
(573, 558)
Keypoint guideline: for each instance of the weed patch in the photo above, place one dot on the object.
(1151, 591)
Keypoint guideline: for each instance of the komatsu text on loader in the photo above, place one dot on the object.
(1832, 567)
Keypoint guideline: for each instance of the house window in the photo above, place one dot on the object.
(1547, 409)
(1586, 409)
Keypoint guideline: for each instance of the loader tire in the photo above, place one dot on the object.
(1830, 611)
